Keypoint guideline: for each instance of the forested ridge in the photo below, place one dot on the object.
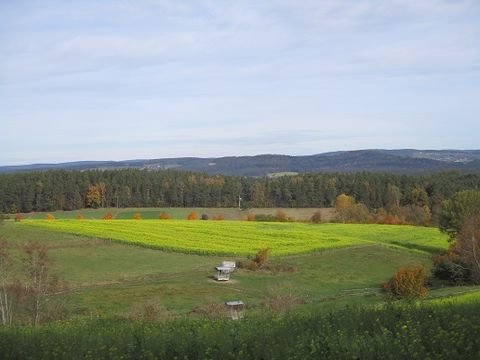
(70, 190)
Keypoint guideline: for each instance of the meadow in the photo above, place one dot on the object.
(117, 269)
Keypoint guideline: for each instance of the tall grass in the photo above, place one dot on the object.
(392, 332)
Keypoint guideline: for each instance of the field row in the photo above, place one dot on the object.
(246, 238)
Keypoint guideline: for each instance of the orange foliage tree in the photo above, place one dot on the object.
(281, 216)
(108, 216)
(192, 216)
(165, 216)
(50, 217)
(137, 216)
(79, 216)
(407, 283)
(251, 217)
(93, 197)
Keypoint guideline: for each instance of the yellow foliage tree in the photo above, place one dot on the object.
(343, 204)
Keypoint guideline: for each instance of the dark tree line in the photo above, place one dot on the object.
(70, 190)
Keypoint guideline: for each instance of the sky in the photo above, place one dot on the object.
(144, 79)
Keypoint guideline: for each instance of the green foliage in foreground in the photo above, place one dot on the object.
(245, 238)
(393, 332)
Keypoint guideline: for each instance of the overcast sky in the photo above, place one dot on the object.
(117, 79)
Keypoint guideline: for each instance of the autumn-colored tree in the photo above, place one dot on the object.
(50, 217)
(251, 217)
(407, 283)
(165, 216)
(316, 218)
(137, 216)
(79, 216)
(108, 216)
(343, 204)
(281, 215)
(192, 216)
(93, 198)
(419, 196)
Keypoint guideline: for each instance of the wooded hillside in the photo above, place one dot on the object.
(70, 190)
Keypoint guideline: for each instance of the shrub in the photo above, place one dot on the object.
(148, 311)
(210, 309)
(407, 283)
(137, 216)
(218, 217)
(108, 216)
(316, 217)
(192, 216)
(50, 217)
(79, 216)
(19, 217)
(265, 217)
(261, 258)
(165, 216)
(281, 216)
(204, 217)
(281, 300)
(251, 217)
(282, 268)
(450, 266)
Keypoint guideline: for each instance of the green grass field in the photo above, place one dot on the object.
(246, 238)
(110, 277)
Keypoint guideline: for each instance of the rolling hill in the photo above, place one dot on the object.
(408, 161)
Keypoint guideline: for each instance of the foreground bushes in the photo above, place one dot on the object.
(414, 332)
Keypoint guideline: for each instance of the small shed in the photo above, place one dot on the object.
(236, 309)
(222, 273)
(230, 264)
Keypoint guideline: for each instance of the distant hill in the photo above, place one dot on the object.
(408, 161)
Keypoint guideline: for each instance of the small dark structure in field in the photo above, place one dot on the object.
(236, 309)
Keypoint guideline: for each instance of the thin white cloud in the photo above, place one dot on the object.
(235, 75)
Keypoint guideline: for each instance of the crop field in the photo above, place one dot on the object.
(246, 238)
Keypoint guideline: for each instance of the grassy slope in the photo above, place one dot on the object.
(245, 238)
(108, 278)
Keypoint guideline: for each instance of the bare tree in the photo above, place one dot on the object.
(469, 245)
(6, 311)
(41, 282)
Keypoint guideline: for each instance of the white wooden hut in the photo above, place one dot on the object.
(236, 309)
(230, 264)
(222, 273)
